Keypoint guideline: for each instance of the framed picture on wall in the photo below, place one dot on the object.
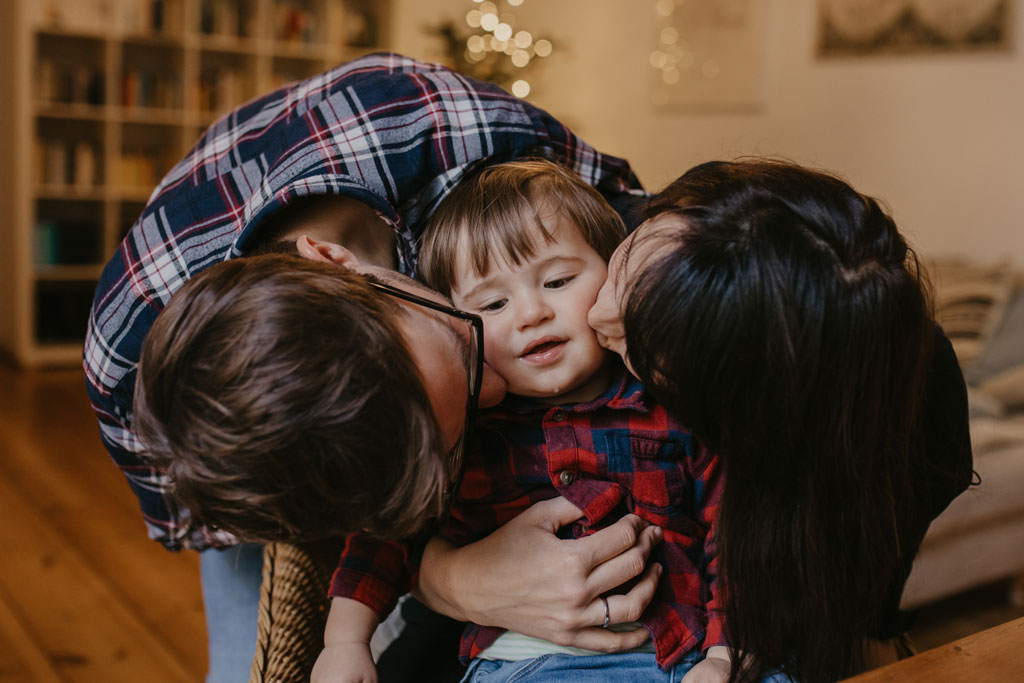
(709, 55)
(885, 27)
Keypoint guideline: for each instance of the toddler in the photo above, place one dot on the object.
(525, 244)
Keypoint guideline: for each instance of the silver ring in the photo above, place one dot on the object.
(607, 613)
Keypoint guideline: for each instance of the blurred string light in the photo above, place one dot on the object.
(674, 55)
(670, 56)
(500, 37)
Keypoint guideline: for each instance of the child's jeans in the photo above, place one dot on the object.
(636, 667)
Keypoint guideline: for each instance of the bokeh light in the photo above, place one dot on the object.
(711, 69)
(489, 21)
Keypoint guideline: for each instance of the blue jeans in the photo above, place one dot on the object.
(231, 596)
(638, 667)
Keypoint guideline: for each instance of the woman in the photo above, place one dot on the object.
(782, 317)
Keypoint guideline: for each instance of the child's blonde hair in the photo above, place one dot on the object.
(495, 211)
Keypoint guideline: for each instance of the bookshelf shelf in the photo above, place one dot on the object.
(69, 34)
(50, 273)
(102, 99)
(84, 112)
(132, 194)
(70, 193)
(230, 45)
(301, 50)
(151, 115)
(57, 354)
(153, 40)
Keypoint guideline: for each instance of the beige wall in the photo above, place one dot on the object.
(939, 137)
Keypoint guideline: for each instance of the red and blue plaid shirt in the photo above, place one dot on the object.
(392, 132)
(609, 457)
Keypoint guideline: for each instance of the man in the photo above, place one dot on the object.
(357, 157)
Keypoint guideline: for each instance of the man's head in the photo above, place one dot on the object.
(290, 400)
(524, 244)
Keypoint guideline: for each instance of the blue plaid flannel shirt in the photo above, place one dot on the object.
(392, 132)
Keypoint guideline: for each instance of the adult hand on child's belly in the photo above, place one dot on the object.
(524, 578)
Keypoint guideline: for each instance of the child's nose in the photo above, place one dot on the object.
(533, 310)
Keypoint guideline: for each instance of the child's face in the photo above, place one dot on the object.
(536, 334)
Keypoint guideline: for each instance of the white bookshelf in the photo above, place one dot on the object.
(98, 99)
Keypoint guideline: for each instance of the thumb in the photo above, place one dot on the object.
(552, 514)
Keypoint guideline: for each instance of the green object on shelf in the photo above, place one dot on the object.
(46, 243)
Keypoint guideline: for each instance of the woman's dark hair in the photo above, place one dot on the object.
(786, 323)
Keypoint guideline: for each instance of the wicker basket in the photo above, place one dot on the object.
(292, 611)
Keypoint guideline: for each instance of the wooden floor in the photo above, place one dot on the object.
(85, 596)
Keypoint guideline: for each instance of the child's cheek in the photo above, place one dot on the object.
(494, 350)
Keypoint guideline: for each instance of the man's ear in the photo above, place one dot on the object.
(325, 252)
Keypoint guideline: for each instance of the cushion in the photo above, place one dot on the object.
(1007, 388)
(969, 303)
(1004, 351)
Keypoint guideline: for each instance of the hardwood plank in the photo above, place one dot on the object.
(21, 659)
(87, 632)
(53, 454)
(991, 656)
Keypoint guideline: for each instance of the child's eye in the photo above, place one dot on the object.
(558, 283)
(493, 306)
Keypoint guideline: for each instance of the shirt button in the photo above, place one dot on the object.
(558, 416)
(566, 477)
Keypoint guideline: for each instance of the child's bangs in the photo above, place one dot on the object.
(507, 232)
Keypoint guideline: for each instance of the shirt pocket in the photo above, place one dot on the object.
(653, 471)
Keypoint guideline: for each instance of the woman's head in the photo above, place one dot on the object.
(781, 316)
(753, 287)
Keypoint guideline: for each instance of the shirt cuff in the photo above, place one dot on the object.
(715, 634)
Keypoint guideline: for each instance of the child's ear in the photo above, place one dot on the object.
(325, 252)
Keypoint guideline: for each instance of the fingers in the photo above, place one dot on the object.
(611, 541)
(603, 640)
(552, 514)
(629, 606)
(625, 565)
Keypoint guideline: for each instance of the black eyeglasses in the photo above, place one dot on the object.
(474, 357)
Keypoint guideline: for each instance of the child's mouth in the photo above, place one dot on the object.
(543, 351)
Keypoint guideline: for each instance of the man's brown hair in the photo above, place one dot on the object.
(279, 396)
(496, 211)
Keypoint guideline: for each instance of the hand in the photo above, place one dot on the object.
(346, 657)
(344, 663)
(708, 670)
(524, 578)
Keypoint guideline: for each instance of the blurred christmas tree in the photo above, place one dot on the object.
(487, 47)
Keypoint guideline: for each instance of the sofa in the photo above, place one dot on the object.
(980, 536)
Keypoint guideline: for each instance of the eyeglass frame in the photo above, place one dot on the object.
(457, 455)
